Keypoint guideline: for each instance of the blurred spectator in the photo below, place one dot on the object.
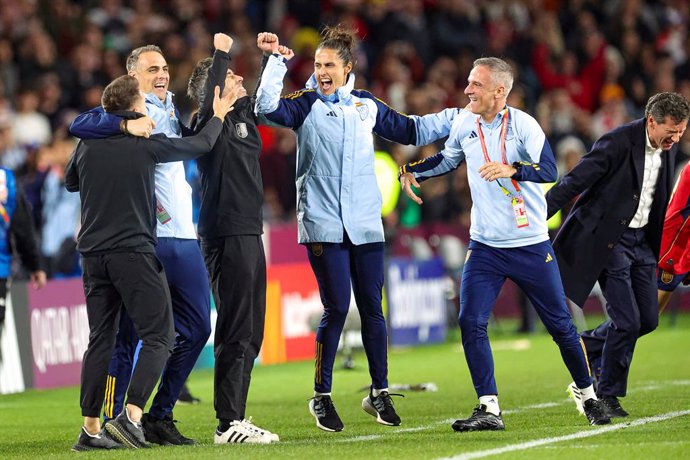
(9, 73)
(31, 128)
(455, 25)
(113, 18)
(612, 112)
(61, 211)
(278, 170)
(12, 155)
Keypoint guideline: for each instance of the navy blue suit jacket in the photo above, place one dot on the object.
(608, 181)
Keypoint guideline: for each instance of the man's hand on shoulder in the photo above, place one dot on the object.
(140, 127)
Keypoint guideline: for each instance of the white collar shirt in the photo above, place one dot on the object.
(652, 166)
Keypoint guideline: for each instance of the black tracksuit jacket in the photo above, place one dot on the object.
(115, 179)
(231, 184)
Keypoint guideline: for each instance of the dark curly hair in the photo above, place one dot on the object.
(668, 104)
(196, 88)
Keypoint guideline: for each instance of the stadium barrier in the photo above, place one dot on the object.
(46, 331)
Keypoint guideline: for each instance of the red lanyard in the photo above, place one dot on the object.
(504, 132)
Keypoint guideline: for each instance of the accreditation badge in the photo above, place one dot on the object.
(520, 212)
(162, 214)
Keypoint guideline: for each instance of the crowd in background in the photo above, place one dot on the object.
(583, 67)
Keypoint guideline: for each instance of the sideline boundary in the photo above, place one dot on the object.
(569, 437)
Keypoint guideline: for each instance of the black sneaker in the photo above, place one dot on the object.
(323, 410)
(163, 431)
(381, 407)
(185, 397)
(85, 441)
(613, 407)
(596, 412)
(129, 433)
(480, 420)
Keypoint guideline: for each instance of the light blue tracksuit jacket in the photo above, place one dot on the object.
(336, 184)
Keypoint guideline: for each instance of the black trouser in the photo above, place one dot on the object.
(137, 281)
(237, 267)
(629, 285)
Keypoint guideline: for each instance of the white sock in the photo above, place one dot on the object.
(375, 393)
(130, 420)
(318, 395)
(491, 403)
(97, 435)
(588, 393)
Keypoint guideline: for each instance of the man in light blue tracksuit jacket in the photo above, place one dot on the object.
(508, 157)
(339, 203)
(177, 249)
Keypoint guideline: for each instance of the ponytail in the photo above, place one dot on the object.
(340, 39)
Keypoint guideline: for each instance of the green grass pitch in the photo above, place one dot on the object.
(540, 421)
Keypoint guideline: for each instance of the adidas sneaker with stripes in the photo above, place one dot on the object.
(240, 433)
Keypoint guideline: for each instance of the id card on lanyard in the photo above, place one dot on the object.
(516, 201)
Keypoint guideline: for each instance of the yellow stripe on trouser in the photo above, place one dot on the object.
(317, 370)
(109, 396)
(584, 350)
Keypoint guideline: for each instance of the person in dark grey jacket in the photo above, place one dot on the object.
(115, 180)
(230, 227)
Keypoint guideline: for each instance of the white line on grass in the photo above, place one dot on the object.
(534, 406)
(374, 437)
(569, 437)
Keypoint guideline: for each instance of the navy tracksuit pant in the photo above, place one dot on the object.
(337, 266)
(629, 285)
(190, 293)
(534, 269)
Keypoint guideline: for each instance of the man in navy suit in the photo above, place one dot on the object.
(613, 234)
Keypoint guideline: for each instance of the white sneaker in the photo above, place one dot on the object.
(576, 395)
(262, 431)
(240, 433)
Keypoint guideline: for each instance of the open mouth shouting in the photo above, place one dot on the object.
(326, 85)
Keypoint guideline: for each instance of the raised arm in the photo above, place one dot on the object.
(216, 76)
(291, 110)
(268, 44)
(97, 124)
